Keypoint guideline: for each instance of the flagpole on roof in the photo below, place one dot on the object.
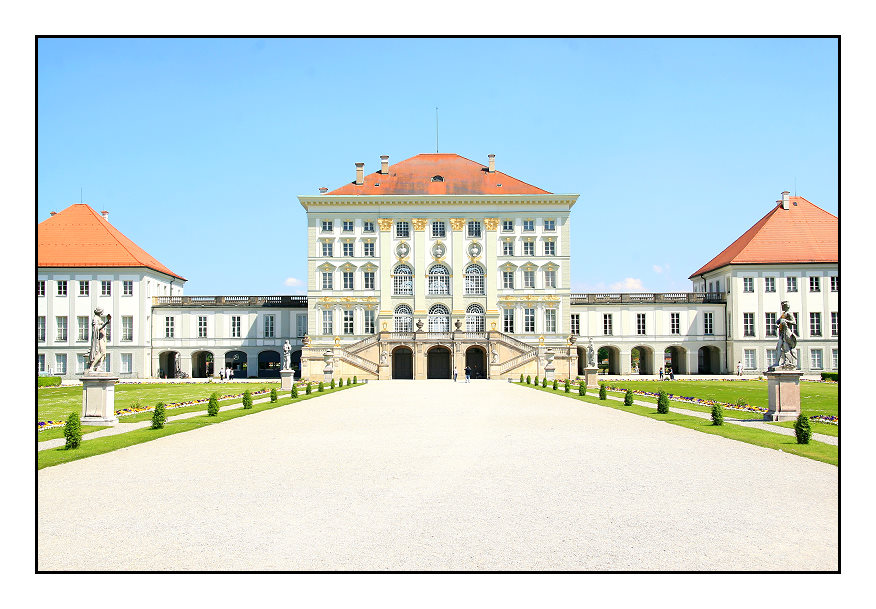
(436, 129)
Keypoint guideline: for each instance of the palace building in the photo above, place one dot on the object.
(432, 263)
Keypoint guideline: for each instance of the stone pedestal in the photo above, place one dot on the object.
(550, 372)
(327, 374)
(590, 377)
(287, 378)
(783, 387)
(99, 399)
(384, 372)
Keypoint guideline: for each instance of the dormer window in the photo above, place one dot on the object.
(437, 179)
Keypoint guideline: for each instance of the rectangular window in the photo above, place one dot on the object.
(327, 226)
(61, 323)
(528, 279)
(529, 248)
(300, 325)
(347, 250)
(168, 327)
(62, 288)
(550, 225)
(41, 329)
(347, 277)
(106, 362)
(327, 322)
(528, 226)
(369, 280)
(235, 326)
(81, 362)
(82, 328)
(83, 288)
(269, 326)
(748, 324)
(127, 363)
(508, 321)
(41, 362)
(348, 322)
(507, 226)
(834, 283)
(369, 321)
(61, 363)
(606, 324)
(128, 328)
(708, 327)
(474, 228)
(815, 324)
(402, 229)
(748, 284)
(327, 249)
(675, 323)
(772, 328)
(327, 281)
(749, 357)
(529, 320)
(106, 288)
(815, 284)
(834, 353)
(550, 279)
(816, 359)
(347, 226)
(439, 230)
(772, 357)
(367, 226)
(769, 284)
(576, 324)
(127, 288)
(202, 326)
(508, 248)
(791, 284)
(550, 320)
(41, 288)
(368, 249)
(550, 248)
(640, 323)
(834, 323)
(508, 280)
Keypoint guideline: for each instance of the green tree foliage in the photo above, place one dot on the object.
(603, 392)
(717, 414)
(332, 384)
(582, 388)
(307, 388)
(213, 405)
(294, 391)
(320, 387)
(628, 398)
(662, 403)
(247, 400)
(72, 431)
(802, 430)
(273, 394)
(567, 386)
(159, 416)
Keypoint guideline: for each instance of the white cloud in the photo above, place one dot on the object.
(630, 284)
(657, 268)
(293, 282)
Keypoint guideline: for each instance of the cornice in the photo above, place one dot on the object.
(439, 200)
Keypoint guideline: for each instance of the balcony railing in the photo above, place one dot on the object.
(668, 297)
(231, 301)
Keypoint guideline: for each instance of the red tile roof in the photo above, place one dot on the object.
(462, 176)
(803, 233)
(81, 237)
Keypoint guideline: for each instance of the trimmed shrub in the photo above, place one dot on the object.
(273, 394)
(544, 382)
(213, 405)
(536, 379)
(521, 378)
(73, 431)
(603, 392)
(320, 387)
(567, 386)
(341, 382)
(825, 376)
(802, 430)
(628, 398)
(582, 388)
(247, 400)
(717, 414)
(355, 380)
(348, 381)
(528, 380)
(662, 403)
(294, 391)
(554, 386)
(48, 381)
(332, 384)
(159, 416)
(307, 388)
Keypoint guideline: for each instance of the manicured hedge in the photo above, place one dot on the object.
(830, 376)
(48, 381)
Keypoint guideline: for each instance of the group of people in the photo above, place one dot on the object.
(467, 371)
(670, 373)
(226, 374)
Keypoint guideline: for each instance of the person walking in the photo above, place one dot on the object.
(455, 372)
(467, 374)
(661, 374)
(739, 368)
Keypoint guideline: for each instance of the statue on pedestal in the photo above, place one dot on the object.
(97, 353)
(591, 355)
(787, 338)
(287, 355)
(495, 355)
(383, 356)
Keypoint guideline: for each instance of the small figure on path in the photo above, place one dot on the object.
(97, 353)
(661, 374)
(739, 368)
(455, 372)
(787, 338)
(467, 374)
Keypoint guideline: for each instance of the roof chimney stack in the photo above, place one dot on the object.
(105, 215)
(323, 190)
(786, 201)
(360, 173)
(492, 158)
(384, 164)
(52, 213)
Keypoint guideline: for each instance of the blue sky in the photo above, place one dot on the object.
(199, 147)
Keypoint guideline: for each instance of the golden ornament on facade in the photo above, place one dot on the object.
(491, 223)
(385, 224)
(457, 223)
(419, 223)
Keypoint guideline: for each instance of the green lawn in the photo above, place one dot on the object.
(56, 404)
(97, 446)
(818, 451)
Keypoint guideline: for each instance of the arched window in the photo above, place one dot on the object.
(439, 280)
(474, 318)
(439, 319)
(404, 319)
(403, 280)
(474, 280)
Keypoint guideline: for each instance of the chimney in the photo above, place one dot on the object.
(492, 158)
(384, 164)
(786, 200)
(105, 215)
(323, 190)
(52, 213)
(360, 173)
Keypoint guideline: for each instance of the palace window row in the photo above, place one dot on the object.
(473, 228)
(106, 287)
(327, 280)
(348, 324)
(348, 249)
(791, 284)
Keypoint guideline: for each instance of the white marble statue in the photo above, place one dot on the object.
(287, 356)
(97, 353)
(787, 338)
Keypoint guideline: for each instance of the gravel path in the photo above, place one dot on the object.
(406, 475)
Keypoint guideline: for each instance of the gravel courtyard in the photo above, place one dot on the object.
(432, 475)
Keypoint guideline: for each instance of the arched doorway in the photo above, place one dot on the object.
(269, 365)
(202, 364)
(236, 360)
(402, 363)
(676, 357)
(476, 359)
(168, 364)
(608, 360)
(295, 357)
(642, 360)
(709, 360)
(438, 363)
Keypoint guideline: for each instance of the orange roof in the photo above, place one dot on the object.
(461, 176)
(81, 237)
(803, 233)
